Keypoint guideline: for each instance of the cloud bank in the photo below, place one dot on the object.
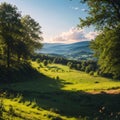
(74, 35)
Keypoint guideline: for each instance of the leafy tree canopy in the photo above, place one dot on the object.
(105, 16)
(102, 14)
(19, 36)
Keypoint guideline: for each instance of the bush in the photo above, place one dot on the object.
(89, 68)
(57, 78)
(45, 62)
(69, 64)
(41, 65)
(116, 76)
(1, 108)
(38, 60)
(91, 72)
(11, 110)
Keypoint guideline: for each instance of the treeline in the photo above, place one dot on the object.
(89, 66)
(19, 35)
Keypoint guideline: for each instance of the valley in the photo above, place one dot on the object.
(75, 51)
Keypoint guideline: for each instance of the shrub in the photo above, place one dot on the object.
(89, 68)
(91, 73)
(69, 64)
(57, 78)
(38, 60)
(41, 65)
(116, 76)
(45, 62)
(11, 110)
(1, 108)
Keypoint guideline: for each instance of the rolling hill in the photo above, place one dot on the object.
(75, 51)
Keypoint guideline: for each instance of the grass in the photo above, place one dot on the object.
(60, 93)
(76, 80)
(22, 111)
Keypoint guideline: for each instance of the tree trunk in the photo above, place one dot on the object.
(8, 55)
(18, 58)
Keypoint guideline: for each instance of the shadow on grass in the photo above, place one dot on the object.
(48, 95)
(78, 104)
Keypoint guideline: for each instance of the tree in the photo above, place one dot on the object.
(89, 68)
(78, 66)
(102, 14)
(107, 47)
(45, 62)
(83, 65)
(9, 22)
(70, 64)
(21, 50)
(32, 34)
(19, 36)
(30, 38)
(105, 16)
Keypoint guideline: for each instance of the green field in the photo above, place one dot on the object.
(59, 93)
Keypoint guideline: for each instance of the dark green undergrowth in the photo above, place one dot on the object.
(17, 73)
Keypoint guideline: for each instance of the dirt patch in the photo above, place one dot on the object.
(117, 91)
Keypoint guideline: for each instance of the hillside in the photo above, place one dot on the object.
(75, 51)
(60, 93)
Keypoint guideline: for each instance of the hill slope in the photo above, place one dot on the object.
(60, 93)
(76, 51)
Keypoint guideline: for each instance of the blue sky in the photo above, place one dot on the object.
(58, 18)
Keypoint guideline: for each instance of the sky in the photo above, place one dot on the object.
(58, 19)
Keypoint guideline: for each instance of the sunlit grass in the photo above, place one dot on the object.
(77, 80)
(24, 111)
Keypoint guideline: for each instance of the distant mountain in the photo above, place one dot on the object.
(76, 51)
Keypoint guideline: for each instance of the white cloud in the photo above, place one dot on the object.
(84, 10)
(91, 35)
(75, 8)
(74, 35)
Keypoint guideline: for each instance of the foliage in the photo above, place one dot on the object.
(45, 62)
(19, 36)
(9, 28)
(18, 72)
(1, 107)
(69, 64)
(38, 60)
(102, 14)
(72, 64)
(11, 110)
(107, 50)
(32, 33)
(105, 16)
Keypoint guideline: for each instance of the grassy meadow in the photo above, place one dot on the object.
(60, 93)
